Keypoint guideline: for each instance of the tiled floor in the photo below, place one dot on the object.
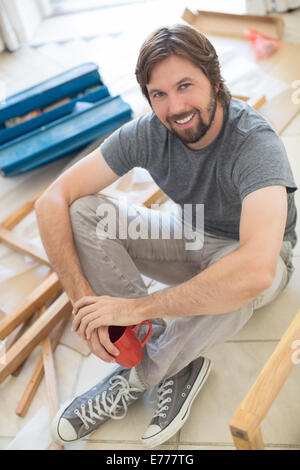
(236, 363)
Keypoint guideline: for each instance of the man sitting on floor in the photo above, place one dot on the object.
(204, 149)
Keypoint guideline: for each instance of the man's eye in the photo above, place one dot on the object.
(185, 85)
(158, 94)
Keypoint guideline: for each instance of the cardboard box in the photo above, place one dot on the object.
(225, 24)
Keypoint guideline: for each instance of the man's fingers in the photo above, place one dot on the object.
(105, 340)
(83, 302)
(91, 317)
(97, 349)
(93, 324)
(80, 316)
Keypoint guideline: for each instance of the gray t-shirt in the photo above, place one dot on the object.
(246, 155)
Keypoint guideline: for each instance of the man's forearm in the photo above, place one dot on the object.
(223, 287)
(56, 234)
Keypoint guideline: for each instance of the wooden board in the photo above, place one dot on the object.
(245, 424)
(281, 110)
(47, 289)
(34, 335)
(225, 24)
(22, 246)
(38, 372)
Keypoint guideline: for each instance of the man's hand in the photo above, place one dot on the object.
(101, 346)
(93, 312)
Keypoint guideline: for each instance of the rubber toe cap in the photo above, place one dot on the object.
(151, 431)
(64, 432)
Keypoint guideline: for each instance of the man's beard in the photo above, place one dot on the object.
(193, 134)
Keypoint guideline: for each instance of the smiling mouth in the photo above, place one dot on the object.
(185, 121)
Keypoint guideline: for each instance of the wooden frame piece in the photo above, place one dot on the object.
(233, 25)
(51, 386)
(24, 327)
(38, 372)
(47, 289)
(245, 424)
(256, 101)
(10, 222)
(281, 110)
(22, 246)
(27, 324)
(34, 335)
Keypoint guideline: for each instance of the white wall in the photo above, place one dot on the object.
(31, 16)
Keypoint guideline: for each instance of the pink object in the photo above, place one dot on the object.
(264, 46)
(125, 340)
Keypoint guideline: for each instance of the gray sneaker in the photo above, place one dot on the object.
(174, 401)
(85, 413)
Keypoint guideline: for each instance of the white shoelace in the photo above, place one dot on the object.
(162, 400)
(108, 405)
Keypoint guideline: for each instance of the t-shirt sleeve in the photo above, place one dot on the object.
(122, 150)
(262, 162)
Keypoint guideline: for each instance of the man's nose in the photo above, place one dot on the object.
(176, 106)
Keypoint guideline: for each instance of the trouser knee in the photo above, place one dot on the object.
(84, 210)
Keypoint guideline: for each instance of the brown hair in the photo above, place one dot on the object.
(184, 41)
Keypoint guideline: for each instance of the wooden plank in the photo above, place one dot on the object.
(15, 242)
(151, 198)
(241, 97)
(34, 335)
(256, 102)
(16, 334)
(232, 25)
(21, 331)
(50, 376)
(256, 443)
(48, 288)
(280, 110)
(259, 399)
(38, 372)
(51, 386)
(21, 213)
(31, 388)
(25, 327)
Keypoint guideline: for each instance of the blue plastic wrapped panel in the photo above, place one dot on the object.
(11, 133)
(49, 91)
(88, 122)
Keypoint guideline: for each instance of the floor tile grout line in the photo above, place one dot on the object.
(129, 441)
(228, 444)
(253, 341)
(183, 443)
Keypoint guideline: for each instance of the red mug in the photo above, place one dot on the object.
(125, 340)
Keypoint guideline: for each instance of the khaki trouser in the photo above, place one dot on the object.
(114, 266)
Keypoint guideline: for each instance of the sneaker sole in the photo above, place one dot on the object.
(183, 414)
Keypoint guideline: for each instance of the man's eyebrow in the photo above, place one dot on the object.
(154, 90)
(182, 80)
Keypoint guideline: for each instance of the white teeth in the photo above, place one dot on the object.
(187, 119)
